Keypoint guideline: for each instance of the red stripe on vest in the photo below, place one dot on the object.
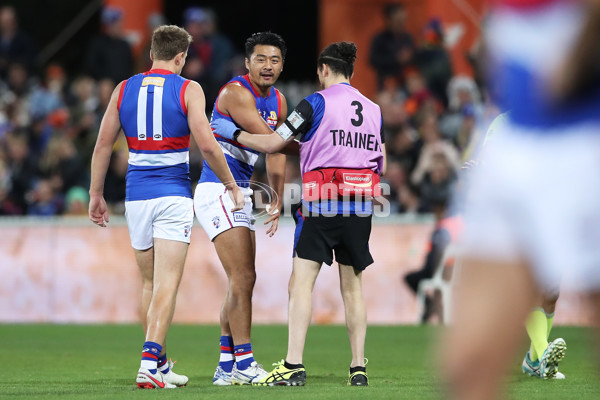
(182, 96)
(278, 103)
(121, 95)
(159, 72)
(247, 78)
(168, 143)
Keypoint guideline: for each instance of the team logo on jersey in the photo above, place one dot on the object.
(216, 222)
(272, 119)
(186, 230)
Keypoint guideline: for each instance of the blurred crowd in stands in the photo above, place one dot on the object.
(49, 120)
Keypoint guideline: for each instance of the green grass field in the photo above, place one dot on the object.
(101, 361)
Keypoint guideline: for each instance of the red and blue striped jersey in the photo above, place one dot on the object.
(240, 158)
(154, 118)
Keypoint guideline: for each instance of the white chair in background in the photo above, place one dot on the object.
(437, 282)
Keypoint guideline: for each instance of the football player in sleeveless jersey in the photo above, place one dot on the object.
(252, 102)
(157, 111)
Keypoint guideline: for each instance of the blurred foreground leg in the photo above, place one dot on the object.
(492, 300)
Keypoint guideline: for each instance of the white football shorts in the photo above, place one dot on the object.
(536, 196)
(169, 217)
(213, 205)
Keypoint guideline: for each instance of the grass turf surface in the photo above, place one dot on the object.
(101, 361)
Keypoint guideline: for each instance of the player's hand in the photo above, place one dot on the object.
(224, 128)
(98, 211)
(273, 212)
(237, 197)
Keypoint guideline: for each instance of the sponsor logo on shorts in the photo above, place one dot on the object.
(216, 222)
(186, 230)
(240, 217)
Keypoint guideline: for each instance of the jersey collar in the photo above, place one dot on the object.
(159, 71)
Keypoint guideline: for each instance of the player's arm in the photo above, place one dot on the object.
(210, 149)
(239, 104)
(276, 176)
(297, 123)
(107, 136)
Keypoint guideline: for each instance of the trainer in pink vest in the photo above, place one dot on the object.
(349, 133)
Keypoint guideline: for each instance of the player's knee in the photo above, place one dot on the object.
(243, 283)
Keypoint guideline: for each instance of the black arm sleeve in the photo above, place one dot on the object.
(299, 121)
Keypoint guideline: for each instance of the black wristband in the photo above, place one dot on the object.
(237, 134)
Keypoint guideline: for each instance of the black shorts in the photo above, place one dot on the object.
(317, 237)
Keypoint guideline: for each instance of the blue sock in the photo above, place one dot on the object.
(243, 356)
(163, 364)
(150, 354)
(226, 358)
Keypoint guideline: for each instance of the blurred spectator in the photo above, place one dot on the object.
(395, 177)
(392, 50)
(447, 229)
(39, 133)
(464, 110)
(76, 201)
(433, 60)
(210, 53)
(437, 184)
(109, 55)
(23, 169)
(143, 62)
(391, 100)
(15, 44)
(7, 204)
(419, 101)
(408, 200)
(105, 89)
(48, 97)
(114, 185)
(405, 148)
(44, 200)
(62, 163)
(14, 95)
(83, 129)
(433, 145)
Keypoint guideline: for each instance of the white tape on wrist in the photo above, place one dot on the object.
(274, 212)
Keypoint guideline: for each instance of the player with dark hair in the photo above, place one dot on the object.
(341, 154)
(265, 39)
(157, 110)
(238, 102)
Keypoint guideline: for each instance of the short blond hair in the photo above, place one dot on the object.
(168, 41)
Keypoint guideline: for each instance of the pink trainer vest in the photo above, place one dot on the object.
(349, 135)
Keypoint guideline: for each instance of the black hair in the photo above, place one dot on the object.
(390, 9)
(265, 38)
(339, 57)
